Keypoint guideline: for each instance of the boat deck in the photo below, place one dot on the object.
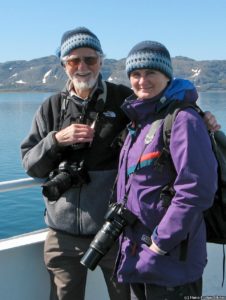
(23, 275)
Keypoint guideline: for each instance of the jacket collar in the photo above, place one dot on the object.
(178, 89)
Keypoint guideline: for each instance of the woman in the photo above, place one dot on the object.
(164, 254)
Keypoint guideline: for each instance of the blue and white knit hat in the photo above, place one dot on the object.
(149, 55)
(78, 38)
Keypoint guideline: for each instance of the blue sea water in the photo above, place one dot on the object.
(22, 211)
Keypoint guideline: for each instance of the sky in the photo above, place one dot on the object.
(192, 28)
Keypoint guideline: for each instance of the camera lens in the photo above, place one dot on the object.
(117, 217)
(54, 188)
(91, 258)
(51, 191)
(105, 238)
(102, 243)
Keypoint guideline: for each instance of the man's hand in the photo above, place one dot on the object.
(211, 121)
(75, 133)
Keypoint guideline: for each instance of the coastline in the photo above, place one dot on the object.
(6, 91)
(2, 91)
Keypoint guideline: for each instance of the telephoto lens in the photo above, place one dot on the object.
(116, 218)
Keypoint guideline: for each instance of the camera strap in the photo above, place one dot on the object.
(66, 98)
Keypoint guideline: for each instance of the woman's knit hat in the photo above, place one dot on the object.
(149, 55)
(78, 38)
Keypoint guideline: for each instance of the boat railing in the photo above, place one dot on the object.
(17, 184)
(23, 275)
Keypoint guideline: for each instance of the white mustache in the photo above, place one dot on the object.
(81, 73)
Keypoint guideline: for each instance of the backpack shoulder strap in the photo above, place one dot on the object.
(171, 112)
(218, 140)
(174, 108)
(63, 101)
(151, 133)
(103, 95)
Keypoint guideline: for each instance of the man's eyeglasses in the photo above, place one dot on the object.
(74, 61)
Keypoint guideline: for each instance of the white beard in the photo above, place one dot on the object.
(84, 85)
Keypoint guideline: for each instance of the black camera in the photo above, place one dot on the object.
(61, 179)
(117, 217)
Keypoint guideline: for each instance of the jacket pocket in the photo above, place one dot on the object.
(149, 267)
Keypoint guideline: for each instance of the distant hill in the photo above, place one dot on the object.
(46, 73)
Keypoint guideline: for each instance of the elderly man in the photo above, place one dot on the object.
(74, 142)
(77, 129)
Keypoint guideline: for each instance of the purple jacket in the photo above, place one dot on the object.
(178, 229)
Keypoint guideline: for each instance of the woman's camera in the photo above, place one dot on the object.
(63, 178)
(117, 217)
